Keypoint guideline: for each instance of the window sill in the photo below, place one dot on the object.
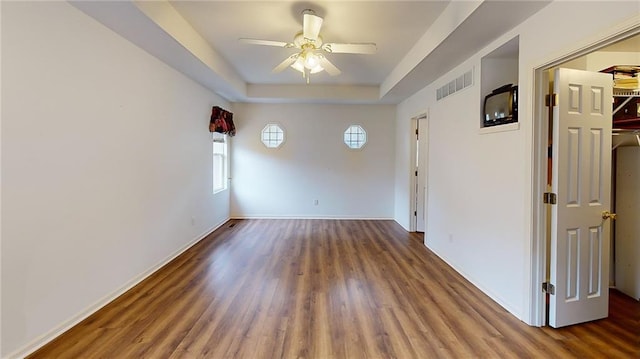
(220, 190)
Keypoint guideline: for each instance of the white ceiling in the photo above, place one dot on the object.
(417, 42)
(393, 26)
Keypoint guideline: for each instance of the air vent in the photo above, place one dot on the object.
(461, 82)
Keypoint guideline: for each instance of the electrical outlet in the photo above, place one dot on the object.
(315, 202)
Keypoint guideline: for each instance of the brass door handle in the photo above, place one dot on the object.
(607, 215)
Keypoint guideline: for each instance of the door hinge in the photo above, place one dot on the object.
(416, 173)
(548, 288)
(549, 198)
(416, 131)
(415, 213)
(551, 100)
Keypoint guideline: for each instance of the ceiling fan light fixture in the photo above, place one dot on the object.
(308, 61)
(311, 60)
(298, 65)
(317, 69)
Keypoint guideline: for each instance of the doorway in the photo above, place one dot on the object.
(618, 48)
(419, 152)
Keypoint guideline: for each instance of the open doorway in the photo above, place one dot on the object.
(419, 176)
(620, 49)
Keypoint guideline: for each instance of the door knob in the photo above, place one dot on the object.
(607, 215)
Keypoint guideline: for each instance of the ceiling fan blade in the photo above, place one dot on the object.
(266, 42)
(355, 48)
(286, 63)
(311, 25)
(330, 68)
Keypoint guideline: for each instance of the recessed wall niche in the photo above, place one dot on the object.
(499, 68)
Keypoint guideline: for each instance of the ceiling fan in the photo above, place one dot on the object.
(310, 58)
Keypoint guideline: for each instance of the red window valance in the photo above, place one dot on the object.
(222, 121)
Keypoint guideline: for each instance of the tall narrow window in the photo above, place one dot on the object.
(219, 162)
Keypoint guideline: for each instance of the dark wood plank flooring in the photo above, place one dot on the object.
(325, 289)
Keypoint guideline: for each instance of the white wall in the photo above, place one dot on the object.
(313, 163)
(601, 60)
(480, 185)
(106, 158)
(627, 237)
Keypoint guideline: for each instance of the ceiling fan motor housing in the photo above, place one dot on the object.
(299, 40)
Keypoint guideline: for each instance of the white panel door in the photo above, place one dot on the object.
(582, 182)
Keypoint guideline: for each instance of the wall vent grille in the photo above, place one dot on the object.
(461, 82)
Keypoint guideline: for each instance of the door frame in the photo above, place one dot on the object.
(424, 117)
(539, 273)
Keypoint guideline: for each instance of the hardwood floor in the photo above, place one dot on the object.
(325, 289)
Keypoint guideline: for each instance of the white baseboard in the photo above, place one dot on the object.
(54, 333)
(313, 217)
